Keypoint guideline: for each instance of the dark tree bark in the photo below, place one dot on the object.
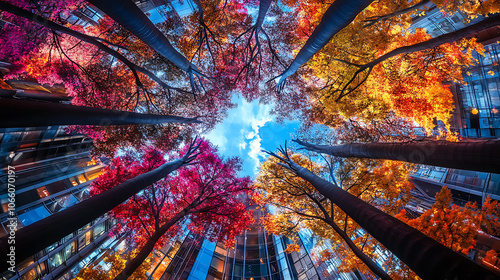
(338, 16)
(89, 39)
(478, 155)
(43, 233)
(23, 113)
(204, 34)
(328, 219)
(440, 40)
(127, 14)
(425, 256)
(377, 270)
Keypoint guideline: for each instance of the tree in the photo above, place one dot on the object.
(479, 155)
(338, 16)
(86, 38)
(127, 14)
(20, 37)
(108, 139)
(417, 80)
(299, 205)
(205, 34)
(407, 243)
(253, 51)
(408, 80)
(43, 233)
(428, 44)
(22, 113)
(208, 193)
(419, 5)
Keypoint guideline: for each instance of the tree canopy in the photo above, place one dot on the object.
(357, 69)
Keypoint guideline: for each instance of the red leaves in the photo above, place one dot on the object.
(213, 181)
(211, 186)
(452, 225)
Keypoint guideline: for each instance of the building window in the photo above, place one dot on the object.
(81, 179)
(33, 215)
(61, 202)
(43, 192)
(73, 181)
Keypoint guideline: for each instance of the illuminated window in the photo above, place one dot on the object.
(73, 181)
(91, 175)
(81, 178)
(42, 192)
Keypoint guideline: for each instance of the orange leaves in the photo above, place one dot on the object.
(112, 265)
(292, 248)
(490, 213)
(491, 258)
(471, 8)
(452, 225)
(326, 255)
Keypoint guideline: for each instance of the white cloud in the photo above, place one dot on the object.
(255, 143)
(238, 134)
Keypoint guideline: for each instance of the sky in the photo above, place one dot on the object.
(247, 130)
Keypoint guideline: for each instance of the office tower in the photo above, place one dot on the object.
(476, 114)
(256, 255)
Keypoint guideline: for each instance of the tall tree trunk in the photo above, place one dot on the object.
(134, 263)
(338, 16)
(199, 7)
(23, 113)
(127, 14)
(89, 39)
(358, 252)
(263, 8)
(478, 155)
(425, 256)
(37, 236)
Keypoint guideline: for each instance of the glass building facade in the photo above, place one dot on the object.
(477, 101)
(476, 114)
(256, 255)
(480, 96)
(53, 171)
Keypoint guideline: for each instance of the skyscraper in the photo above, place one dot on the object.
(256, 255)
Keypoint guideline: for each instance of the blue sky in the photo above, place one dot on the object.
(247, 130)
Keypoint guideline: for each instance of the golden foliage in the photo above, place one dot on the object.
(113, 265)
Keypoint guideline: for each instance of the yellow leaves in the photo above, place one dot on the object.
(491, 73)
(395, 29)
(278, 224)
